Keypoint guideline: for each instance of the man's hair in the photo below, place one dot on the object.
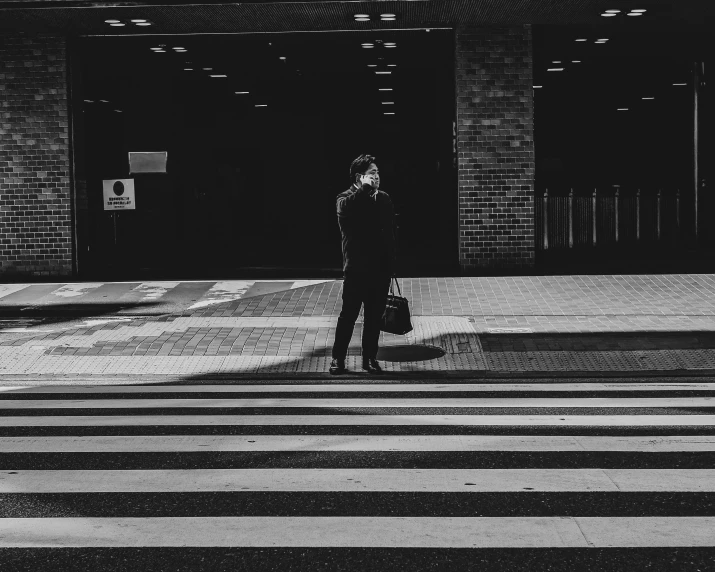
(360, 165)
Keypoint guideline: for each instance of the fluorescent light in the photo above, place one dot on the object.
(680, 84)
(555, 69)
(241, 92)
(207, 69)
(622, 109)
(118, 110)
(389, 113)
(640, 11)
(181, 51)
(612, 11)
(383, 72)
(89, 101)
(538, 86)
(372, 65)
(261, 105)
(609, 15)
(188, 69)
(556, 62)
(582, 40)
(362, 19)
(391, 65)
(362, 16)
(155, 49)
(117, 25)
(602, 40)
(634, 14)
(385, 89)
(282, 58)
(390, 44)
(388, 103)
(647, 97)
(113, 21)
(178, 48)
(103, 101)
(143, 23)
(575, 61)
(218, 75)
(388, 19)
(387, 15)
(138, 21)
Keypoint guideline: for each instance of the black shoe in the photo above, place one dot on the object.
(371, 366)
(337, 366)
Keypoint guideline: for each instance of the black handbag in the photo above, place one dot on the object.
(396, 319)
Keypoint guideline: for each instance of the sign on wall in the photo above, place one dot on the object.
(118, 194)
(147, 162)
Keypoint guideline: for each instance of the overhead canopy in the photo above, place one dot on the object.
(190, 16)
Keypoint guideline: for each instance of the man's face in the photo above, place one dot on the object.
(373, 170)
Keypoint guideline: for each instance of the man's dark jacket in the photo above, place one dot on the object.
(367, 226)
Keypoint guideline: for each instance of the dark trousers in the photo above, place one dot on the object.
(369, 290)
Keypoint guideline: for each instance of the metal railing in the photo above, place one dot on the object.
(606, 218)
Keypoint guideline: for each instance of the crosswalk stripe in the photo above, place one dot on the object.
(362, 420)
(359, 480)
(423, 532)
(453, 443)
(359, 402)
(396, 387)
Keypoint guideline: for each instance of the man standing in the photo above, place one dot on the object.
(366, 219)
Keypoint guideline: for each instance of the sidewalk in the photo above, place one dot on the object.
(493, 326)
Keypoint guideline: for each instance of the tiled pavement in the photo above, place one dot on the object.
(486, 326)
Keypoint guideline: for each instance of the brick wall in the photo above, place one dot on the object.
(495, 147)
(35, 199)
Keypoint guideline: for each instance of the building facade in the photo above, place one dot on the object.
(461, 146)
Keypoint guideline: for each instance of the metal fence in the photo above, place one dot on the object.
(606, 218)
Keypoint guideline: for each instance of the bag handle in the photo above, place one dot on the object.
(398, 286)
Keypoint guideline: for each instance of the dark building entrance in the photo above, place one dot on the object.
(260, 131)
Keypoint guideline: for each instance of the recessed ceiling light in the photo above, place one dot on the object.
(117, 25)
(113, 21)
(555, 69)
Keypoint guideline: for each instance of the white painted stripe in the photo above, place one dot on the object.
(359, 480)
(74, 290)
(7, 289)
(226, 291)
(362, 388)
(452, 443)
(358, 402)
(362, 420)
(388, 532)
(153, 290)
